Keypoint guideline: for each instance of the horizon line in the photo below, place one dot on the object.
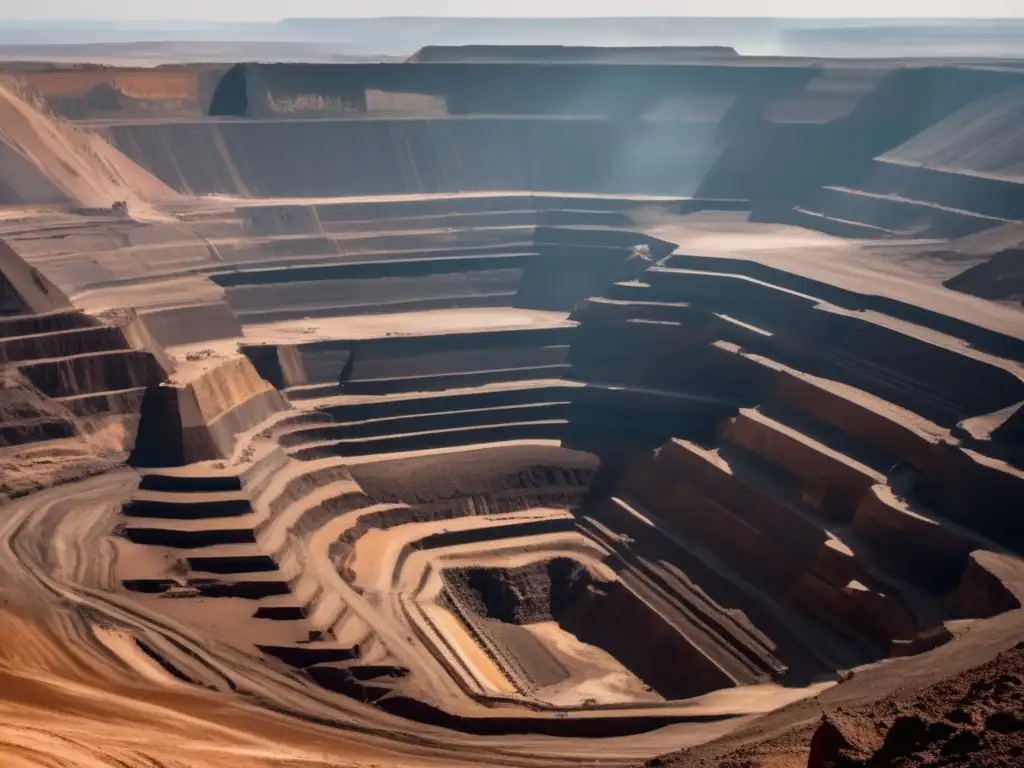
(405, 17)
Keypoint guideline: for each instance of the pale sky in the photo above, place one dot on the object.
(269, 10)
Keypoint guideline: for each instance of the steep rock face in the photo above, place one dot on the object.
(27, 416)
(910, 542)
(982, 591)
(533, 593)
(199, 418)
(24, 290)
(604, 614)
(66, 411)
(69, 375)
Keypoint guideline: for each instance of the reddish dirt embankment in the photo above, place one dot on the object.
(976, 718)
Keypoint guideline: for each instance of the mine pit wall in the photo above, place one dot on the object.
(929, 553)
(875, 215)
(993, 197)
(423, 422)
(984, 339)
(91, 93)
(773, 646)
(730, 516)
(476, 476)
(899, 368)
(176, 326)
(330, 158)
(574, 264)
(25, 289)
(754, 536)
(96, 372)
(553, 268)
(490, 88)
(947, 473)
(28, 325)
(27, 416)
(630, 629)
(621, 353)
(331, 298)
(65, 344)
(199, 420)
(762, 150)
(445, 154)
(832, 487)
(732, 380)
(537, 487)
(939, 383)
(605, 614)
(345, 413)
(916, 549)
(715, 130)
(379, 366)
(615, 344)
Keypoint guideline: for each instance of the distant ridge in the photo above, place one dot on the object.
(568, 53)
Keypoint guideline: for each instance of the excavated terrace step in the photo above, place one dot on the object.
(423, 421)
(52, 322)
(187, 506)
(832, 225)
(756, 500)
(368, 364)
(61, 343)
(110, 401)
(256, 585)
(835, 480)
(232, 559)
(217, 476)
(403, 265)
(864, 457)
(918, 431)
(93, 371)
(911, 393)
(258, 525)
(910, 319)
(943, 220)
(792, 637)
(441, 381)
(460, 301)
(299, 603)
(303, 655)
(352, 408)
(551, 429)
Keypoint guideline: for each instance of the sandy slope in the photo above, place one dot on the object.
(87, 169)
(61, 705)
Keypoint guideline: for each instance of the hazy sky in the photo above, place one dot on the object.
(264, 10)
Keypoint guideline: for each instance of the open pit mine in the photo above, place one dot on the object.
(526, 410)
